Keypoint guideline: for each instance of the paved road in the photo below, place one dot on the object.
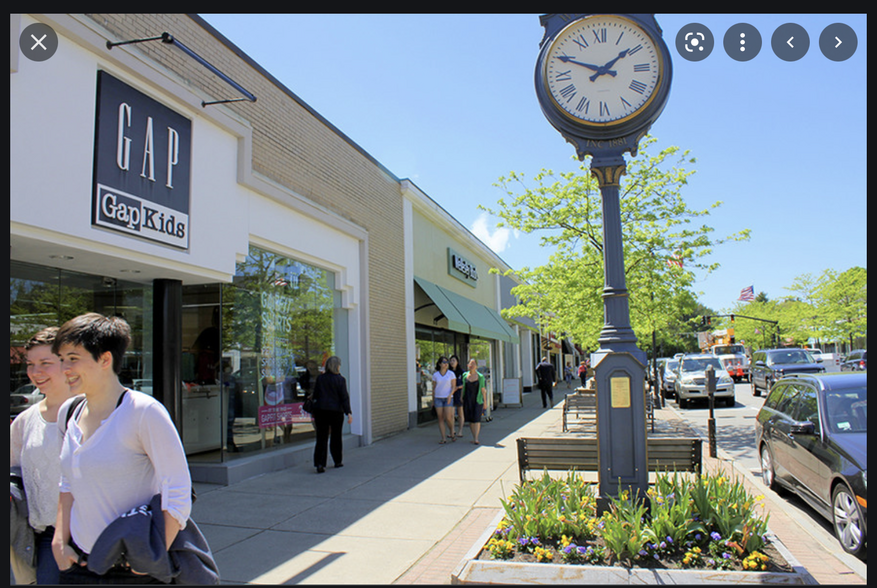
(735, 436)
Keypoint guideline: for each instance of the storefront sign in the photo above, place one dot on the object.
(142, 165)
(282, 414)
(461, 268)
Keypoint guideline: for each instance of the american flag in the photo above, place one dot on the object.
(675, 259)
(747, 294)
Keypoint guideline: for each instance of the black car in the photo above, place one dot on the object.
(856, 361)
(769, 365)
(812, 434)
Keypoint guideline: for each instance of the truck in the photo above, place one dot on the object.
(732, 355)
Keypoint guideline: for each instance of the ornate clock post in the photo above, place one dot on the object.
(602, 80)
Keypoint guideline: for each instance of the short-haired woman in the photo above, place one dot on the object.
(331, 403)
(120, 449)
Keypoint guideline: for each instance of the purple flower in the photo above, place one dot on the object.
(715, 536)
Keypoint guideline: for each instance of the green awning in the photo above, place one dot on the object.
(468, 316)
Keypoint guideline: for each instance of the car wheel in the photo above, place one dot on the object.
(768, 476)
(847, 519)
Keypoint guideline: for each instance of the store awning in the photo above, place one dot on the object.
(468, 316)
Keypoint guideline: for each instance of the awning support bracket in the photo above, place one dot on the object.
(170, 40)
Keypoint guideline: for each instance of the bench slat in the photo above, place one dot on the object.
(582, 453)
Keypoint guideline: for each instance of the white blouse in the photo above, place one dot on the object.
(133, 455)
(35, 445)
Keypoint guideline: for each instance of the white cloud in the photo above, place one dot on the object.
(497, 240)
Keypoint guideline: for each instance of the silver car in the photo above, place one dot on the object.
(23, 398)
(691, 380)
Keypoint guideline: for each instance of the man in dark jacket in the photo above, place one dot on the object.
(546, 375)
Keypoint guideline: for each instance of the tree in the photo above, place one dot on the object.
(662, 243)
(843, 304)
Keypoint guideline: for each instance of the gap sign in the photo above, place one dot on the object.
(142, 165)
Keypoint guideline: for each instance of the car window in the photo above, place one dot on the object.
(806, 407)
(788, 400)
(776, 396)
(847, 411)
(790, 356)
(700, 364)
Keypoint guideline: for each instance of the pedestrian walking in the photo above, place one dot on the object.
(547, 376)
(567, 375)
(583, 374)
(35, 447)
(121, 449)
(444, 382)
(331, 402)
(455, 366)
(474, 399)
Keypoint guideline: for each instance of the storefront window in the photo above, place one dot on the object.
(43, 297)
(278, 329)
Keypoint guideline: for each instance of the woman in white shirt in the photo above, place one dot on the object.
(35, 444)
(443, 396)
(120, 449)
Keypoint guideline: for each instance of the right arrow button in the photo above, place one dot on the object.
(838, 42)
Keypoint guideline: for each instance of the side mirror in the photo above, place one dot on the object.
(803, 428)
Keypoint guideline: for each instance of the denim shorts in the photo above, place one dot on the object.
(444, 402)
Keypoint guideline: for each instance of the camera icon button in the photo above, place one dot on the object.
(694, 42)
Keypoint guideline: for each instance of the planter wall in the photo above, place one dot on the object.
(478, 571)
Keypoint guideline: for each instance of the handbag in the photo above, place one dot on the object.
(308, 404)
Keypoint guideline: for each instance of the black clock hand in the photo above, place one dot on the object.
(605, 69)
(566, 59)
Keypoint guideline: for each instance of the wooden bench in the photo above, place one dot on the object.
(584, 402)
(579, 403)
(681, 454)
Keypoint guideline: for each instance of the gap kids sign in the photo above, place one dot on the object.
(142, 165)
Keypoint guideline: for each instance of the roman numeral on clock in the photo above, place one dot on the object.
(637, 86)
(568, 92)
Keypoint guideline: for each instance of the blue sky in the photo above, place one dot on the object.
(448, 101)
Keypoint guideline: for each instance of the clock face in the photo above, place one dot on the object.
(602, 70)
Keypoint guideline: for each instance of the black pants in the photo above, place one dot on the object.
(81, 575)
(328, 422)
(547, 394)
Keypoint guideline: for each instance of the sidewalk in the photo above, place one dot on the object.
(403, 510)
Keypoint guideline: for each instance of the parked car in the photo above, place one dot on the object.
(856, 361)
(23, 398)
(812, 437)
(691, 380)
(668, 378)
(769, 365)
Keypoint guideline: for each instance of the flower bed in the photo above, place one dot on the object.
(707, 522)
